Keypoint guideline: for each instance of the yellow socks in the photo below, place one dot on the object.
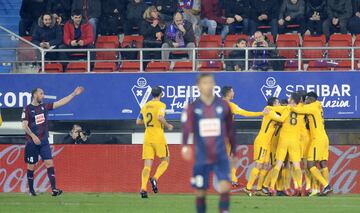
(145, 177)
(233, 175)
(161, 169)
(298, 177)
(280, 184)
(307, 179)
(253, 175)
(268, 179)
(274, 176)
(325, 173)
(261, 179)
(286, 175)
(316, 173)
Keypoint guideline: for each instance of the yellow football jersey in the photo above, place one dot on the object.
(236, 110)
(268, 125)
(154, 130)
(315, 116)
(290, 124)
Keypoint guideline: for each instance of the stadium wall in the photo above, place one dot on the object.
(117, 168)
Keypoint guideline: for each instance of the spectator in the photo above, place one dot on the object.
(211, 16)
(237, 65)
(78, 33)
(91, 10)
(48, 35)
(134, 16)
(62, 8)
(338, 12)
(112, 16)
(264, 12)
(152, 28)
(292, 13)
(167, 9)
(237, 13)
(315, 15)
(192, 10)
(30, 11)
(180, 33)
(261, 62)
(77, 136)
(354, 22)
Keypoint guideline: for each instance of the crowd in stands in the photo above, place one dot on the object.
(180, 23)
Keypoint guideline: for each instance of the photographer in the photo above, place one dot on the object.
(77, 135)
(261, 57)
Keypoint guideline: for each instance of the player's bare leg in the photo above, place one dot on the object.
(200, 201)
(159, 172)
(224, 202)
(253, 176)
(30, 178)
(145, 174)
(49, 164)
(318, 176)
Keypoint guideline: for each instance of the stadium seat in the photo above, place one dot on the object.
(105, 67)
(231, 40)
(77, 67)
(345, 65)
(288, 40)
(130, 66)
(339, 40)
(292, 65)
(128, 39)
(357, 44)
(318, 66)
(53, 68)
(111, 39)
(209, 41)
(314, 41)
(209, 66)
(158, 66)
(111, 55)
(183, 66)
(26, 52)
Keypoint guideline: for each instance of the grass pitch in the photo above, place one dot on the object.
(129, 203)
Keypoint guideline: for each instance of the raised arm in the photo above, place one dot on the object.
(306, 109)
(277, 118)
(67, 99)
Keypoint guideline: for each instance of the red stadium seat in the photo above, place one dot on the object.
(111, 39)
(288, 40)
(345, 65)
(314, 41)
(26, 52)
(357, 44)
(128, 39)
(318, 66)
(209, 41)
(77, 67)
(339, 40)
(53, 68)
(292, 65)
(130, 66)
(210, 66)
(104, 67)
(231, 40)
(111, 55)
(341, 37)
(158, 66)
(182, 66)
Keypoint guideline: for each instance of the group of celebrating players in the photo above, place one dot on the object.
(291, 133)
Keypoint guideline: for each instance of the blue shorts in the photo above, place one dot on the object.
(32, 152)
(201, 173)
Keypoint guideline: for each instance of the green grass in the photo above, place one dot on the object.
(129, 203)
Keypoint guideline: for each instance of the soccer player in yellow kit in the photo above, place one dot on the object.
(262, 145)
(319, 146)
(289, 143)
(228, 94)
(152, 115)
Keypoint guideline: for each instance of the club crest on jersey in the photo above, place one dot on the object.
(198, 111)
(141, 91)
(270, 89)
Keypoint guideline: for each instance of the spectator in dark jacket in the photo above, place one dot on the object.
(237, 13)
(134, 15)
(91, 10)
(61, 8)
(237, 57)
(47, 34)
(338, 12)
(315, 15)
(30, 11)
(152, 28)
(264, 12)
(167, 9)
(112, 16)
(212, 15)
(78, 33)
(191, 10)
(180, 33)
(292, 13)
(354, 22)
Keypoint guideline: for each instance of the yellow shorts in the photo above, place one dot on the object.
(319, 149)
(288, 146)
(151, 149)
(261, 151)
(305, 144)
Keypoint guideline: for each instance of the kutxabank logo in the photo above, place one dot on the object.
(270, 89)
(141, 91)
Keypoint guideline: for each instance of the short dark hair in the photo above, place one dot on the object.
(312, 95)
(284, 101)
(225, 90)
(240, 40)
(33, 92)
(156, 91)
(271, 101)
(302, 94)
(46, 14)
(76, 12)
(296, 97)
(203, 75)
